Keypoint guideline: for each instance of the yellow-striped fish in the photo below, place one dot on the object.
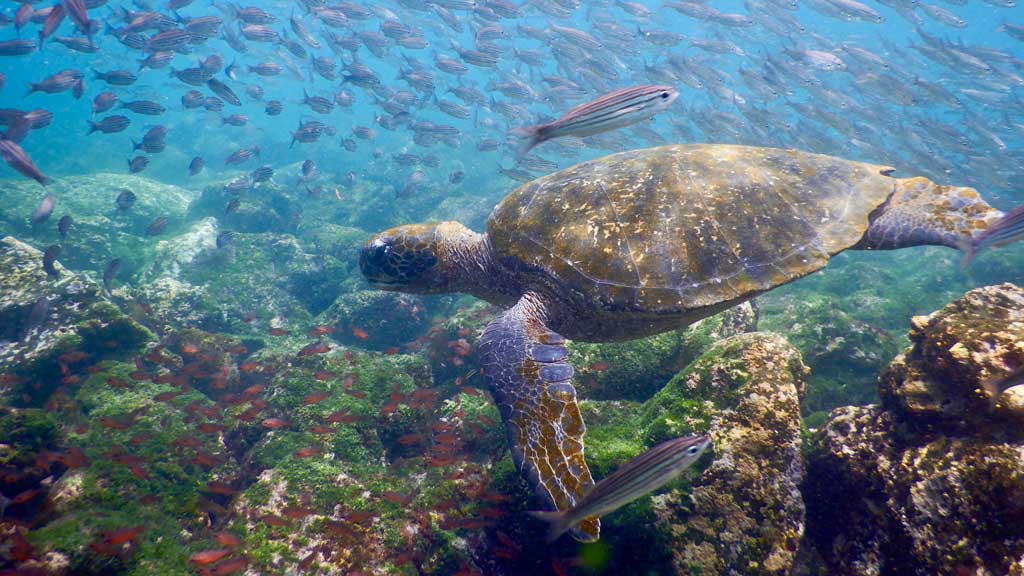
(613, 110)
(641, 475)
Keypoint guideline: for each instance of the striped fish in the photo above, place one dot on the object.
(613, 110)
(1009, 228)
(638, 477)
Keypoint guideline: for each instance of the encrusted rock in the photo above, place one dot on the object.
(931, 481)
(376, 319)
(881, 502)
(940, 379)
(43, 319)
(635, 370)
(744, 514)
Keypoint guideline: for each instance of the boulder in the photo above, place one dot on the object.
(932, 480)
(957, 352)
(52, 327)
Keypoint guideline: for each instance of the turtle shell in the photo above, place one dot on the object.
(681, 227)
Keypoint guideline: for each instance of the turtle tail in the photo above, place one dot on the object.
(1006, 230)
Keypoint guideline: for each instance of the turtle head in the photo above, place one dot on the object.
(417, 258)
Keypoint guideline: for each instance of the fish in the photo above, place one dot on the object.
(157, 226)
(638, 477)
(209, 556)
(64, 225)
(137, 164)
(116, 77)
(125, 199)
(224, 91)
(49, 257)
(613, 110)
(16, 158)
(44, 209)
(110, 124)
(103, 101)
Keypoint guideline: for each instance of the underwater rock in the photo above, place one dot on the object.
(51, 328)
(376, 319)
(844, 350)
(883, 502)
(175, 254)
(100, 231)
(745, 510)
(930, 482)
(635, 370)
(940, 380)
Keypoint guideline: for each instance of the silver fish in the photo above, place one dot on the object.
(638, 477)
(613, 110)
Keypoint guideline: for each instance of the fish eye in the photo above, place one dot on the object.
(664, 95)
(692, 450)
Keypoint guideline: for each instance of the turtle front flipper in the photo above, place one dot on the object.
(524, 363)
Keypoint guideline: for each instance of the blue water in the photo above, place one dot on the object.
(64, 148)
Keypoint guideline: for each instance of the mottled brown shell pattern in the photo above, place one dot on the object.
(685, 226)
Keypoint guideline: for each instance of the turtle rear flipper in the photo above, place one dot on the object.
(525, 365)
(922, 213)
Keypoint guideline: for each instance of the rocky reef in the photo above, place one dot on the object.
(240, 402)
(931, 480)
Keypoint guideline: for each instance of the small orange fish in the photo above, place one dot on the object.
(324, 375)
(222, 488)
(227, 539)
(248, 367)
(254, 390)
(600, 367)
(122, 535)
(360, 333)
(139, 472)
(409, 439)
(314, 348)
(349, 380)
(165, 396)
(278, 332)
(189, 349)
(320, 430)
(230, 566)
(320, 331)
(274, 423)
(357, 394)
(207, 557)
(396, 498)
(275, 521)
(315, 398)
(117, 383)
(307, 452)
(391, 351)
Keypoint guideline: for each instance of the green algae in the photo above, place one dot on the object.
(24, 433)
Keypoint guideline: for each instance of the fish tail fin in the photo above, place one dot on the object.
(531, 136)
(557, 523)
(1006, 230)
(92, 127)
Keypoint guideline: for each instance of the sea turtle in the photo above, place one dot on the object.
(646, 241)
